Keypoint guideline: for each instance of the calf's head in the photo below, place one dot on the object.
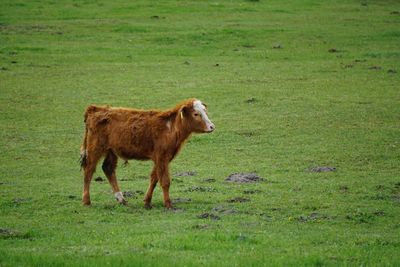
(194, 115)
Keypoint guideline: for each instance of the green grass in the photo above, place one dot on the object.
(278, 112)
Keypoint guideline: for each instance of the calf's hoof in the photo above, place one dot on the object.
(168, 205)
(148, 206)
(86, 202)
(120, 198)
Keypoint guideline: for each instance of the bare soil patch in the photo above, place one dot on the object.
(375, 68)
(99, 179)
(250, 192)
(323, 169)
(201, 189)
(128, 194)
(207, 215)
(224, 210)
(315, 216)
(343, 188)
(7, 233)
(251, 100)
(132, 194)
(181, 200)
(186, 174)
(201, 226)
(238, 200)
(244, 178)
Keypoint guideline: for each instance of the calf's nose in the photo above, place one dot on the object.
(212, 127)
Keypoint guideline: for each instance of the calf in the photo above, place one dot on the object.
(141, 135)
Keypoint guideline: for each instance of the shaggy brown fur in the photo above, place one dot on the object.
(136, 134)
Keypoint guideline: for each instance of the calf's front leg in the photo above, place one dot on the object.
(165, 181)
(152, 185)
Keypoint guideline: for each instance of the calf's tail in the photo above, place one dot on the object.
(92, 109)
(83, 154)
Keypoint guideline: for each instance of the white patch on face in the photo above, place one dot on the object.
(169, 125)
(119, 196)
(199, 107)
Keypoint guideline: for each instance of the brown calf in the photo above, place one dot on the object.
(141, 135)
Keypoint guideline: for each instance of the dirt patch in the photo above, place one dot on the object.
(201, 226)
(248, 46)
(375, 68)
(125, 179)
(251, 100)
(250, 192)
(6, 233)
(323, 169)
(312, 217)
(207, 215)
(246, 134)
(181, 200)
(343, 188)
(244, 178)
(200, 189)
(379, 213)
(186, 174)
(333, 50)
(238, 200)
(156, 17)
(209, 180)
(392, 71)
(128, 194)
(19, 200)
(132, 194)
(99, 179)
(224, 210)
(174, 210)
(361, 217)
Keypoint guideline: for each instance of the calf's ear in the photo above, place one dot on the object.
(185, 110)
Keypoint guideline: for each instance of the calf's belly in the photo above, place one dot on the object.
(131, 154)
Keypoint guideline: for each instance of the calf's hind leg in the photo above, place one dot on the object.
(89, 169)
(109, 166)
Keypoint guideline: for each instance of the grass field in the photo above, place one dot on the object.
(290, 85)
